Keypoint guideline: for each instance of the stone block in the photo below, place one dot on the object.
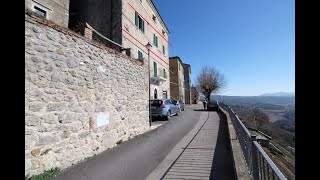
(46, 140)
(59, 106)
(36, 106)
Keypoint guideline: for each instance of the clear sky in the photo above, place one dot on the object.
(251, 42)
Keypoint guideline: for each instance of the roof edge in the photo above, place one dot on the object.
(162, 21)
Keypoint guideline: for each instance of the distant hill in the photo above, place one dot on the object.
(258, 101)
(279, 109)
(281, 94)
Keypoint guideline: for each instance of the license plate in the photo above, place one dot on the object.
(153, 107)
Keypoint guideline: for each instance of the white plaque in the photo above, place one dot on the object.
(102, 119)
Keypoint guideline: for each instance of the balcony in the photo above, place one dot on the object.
(159, 76)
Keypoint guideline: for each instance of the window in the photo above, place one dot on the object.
(165, 95)
(164, 73)
(140, 55)
(155, 94)
(154, 69)
(163, 50)
(139, 22)
(40, 11)
(153, 17)
(163, 32)
(155, 40)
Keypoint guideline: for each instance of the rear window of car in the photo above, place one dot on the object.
(156, 103)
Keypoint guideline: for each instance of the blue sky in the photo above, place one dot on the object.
(251, 42)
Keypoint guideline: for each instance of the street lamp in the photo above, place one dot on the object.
(148, 46)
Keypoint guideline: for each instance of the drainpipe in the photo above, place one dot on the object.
(111, 20)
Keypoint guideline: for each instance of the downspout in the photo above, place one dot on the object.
(111, 22)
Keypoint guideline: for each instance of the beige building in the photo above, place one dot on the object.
(56, 11)
(142, 23)
(177, 90)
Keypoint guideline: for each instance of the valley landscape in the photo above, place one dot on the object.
(273, 116)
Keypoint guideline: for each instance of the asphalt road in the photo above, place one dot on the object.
(137, 158)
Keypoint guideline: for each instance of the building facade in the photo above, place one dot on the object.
(187, 83)
(56, 11)
(142, 24)
(194, 95)
(177, 90)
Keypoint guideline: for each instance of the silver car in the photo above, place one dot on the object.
(163, 108)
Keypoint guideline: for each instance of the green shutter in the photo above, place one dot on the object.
(163, 49)
(137, 19)
(142, 24)
(154, 69)
(154, 39)
(157, 41)
(164, 73)
(140, 55)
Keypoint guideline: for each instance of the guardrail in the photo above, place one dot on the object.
(259, 164)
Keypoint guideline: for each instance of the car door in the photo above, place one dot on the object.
(174, 107)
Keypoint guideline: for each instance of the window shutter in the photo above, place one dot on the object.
(142, 24)
(163, 49)
(154, 69)
(140, 56)
(137, 19)
(154, 39)
(157, 41)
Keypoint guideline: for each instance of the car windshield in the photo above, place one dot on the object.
(156, 103)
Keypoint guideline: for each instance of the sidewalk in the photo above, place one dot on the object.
(193, 157)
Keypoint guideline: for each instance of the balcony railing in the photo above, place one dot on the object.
(159, 76)
(259, 164)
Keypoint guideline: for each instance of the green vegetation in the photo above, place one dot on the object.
(46, 175)
(284, 151)
(119, 142)
(45, 152)
(254, 133)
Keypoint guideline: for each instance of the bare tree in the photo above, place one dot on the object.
(209, 81)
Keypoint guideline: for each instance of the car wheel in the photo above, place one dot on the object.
(168, 115)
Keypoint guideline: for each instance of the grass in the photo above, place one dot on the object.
(254, 133)
(46, 175)
(119, 142)
(286, 152)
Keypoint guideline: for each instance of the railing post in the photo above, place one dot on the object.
(254, 158)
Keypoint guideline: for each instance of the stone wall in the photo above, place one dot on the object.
(72, 88)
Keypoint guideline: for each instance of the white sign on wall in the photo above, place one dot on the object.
(103, 119)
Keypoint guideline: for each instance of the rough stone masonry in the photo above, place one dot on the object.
(69, 83)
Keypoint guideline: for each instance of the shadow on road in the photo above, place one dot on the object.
(200, 110)
(222, 164)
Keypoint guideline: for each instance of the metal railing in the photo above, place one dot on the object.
(259, 164)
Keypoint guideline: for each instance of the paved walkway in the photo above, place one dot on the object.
(193, 145)
(194, 156)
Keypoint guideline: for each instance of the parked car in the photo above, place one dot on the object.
(179, 104)
(213, 106)
(163, 108)
(182, 105)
